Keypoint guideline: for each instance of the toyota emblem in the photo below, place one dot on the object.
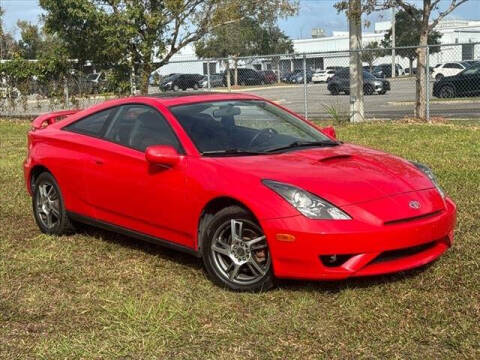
(414, 204)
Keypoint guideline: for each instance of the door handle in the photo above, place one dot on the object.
(98, 162)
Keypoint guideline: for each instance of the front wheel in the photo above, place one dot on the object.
(235, 251)
(48, 206)
(447, 92)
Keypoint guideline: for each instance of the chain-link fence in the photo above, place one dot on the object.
(315, 84)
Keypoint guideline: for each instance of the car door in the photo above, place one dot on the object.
(468, 82)
(125, 190)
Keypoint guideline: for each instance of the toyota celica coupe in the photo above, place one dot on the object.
(252, 188)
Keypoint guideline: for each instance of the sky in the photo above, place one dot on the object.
(313, 13)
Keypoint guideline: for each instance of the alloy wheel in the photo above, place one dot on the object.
(48, 205)
(240, 252)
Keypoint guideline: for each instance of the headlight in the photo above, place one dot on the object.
(168, 83)
(429, 173)
(308, 204)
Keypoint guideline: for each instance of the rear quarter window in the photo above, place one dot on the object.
(93, 125)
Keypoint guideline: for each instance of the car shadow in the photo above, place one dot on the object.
(135, 244)
(184, 259)
(337, 286)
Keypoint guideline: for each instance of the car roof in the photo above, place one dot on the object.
(179, 98)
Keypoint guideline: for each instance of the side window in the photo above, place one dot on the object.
(93, 125)
(457, 66)
(448, 66)
(140, 126)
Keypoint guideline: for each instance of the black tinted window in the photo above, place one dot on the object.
(93, 125)
(139, 126)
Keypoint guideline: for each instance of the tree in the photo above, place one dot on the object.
(145, 33)
(8, 45)
(407, 35)
(423, 25)
(30, 41)
(247, 37)
(371, 53)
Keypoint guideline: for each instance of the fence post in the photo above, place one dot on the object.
(208, 74)
(427, 79)
(305, 105)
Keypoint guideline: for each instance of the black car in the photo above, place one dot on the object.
(385, 70)
(244, 77)
(466, 83)
(176, 82)
(340, 82)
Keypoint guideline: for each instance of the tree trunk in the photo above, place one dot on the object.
(235, 73)
(227, 70)
(356, 72)
(145, 77)
(420, 98)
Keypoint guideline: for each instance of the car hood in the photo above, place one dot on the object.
(343, 175)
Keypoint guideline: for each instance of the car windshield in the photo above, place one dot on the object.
(474, 70)
(245, 126)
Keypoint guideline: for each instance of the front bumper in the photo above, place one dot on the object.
(366, 249)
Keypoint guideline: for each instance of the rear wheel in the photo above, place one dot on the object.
(195, 86)
(439, 77)
(175, 88)
(235, 251)
(48, 206)
(334, 90)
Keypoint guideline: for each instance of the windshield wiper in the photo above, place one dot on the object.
(297, 144)
(228, 152)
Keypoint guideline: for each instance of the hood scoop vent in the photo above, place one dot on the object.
(335, 158)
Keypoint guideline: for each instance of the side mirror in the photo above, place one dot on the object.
(329, 131)
(162, 155)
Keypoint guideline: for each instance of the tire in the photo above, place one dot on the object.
(368, 90)
(175, 88)
(334, 90)
(195, 86)
(383, 92)
(447, 92)
(49, 207)
(234, 264)
(347, 92)
(439, 77)
(262, 82)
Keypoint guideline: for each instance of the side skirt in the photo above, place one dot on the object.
(132, 233)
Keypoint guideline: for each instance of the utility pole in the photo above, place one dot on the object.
(357, 113)
(393, 43)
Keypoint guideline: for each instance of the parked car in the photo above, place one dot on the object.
(244, 77)
(320, 76)
(96, 82)
(448, 69)
(340, 82)
(176, 82)
(296, 76)
(255, 191)
(466, 83)
(385, 71)
(216, 80)
(269, 76)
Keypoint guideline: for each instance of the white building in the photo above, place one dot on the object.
(323, 52)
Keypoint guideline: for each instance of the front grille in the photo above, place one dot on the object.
(400, 253)
(413, 218)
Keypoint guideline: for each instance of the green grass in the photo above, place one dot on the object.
(97, 295)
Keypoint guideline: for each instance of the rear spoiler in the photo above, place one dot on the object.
(49, 118)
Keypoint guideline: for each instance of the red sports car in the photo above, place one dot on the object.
(253, 189)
